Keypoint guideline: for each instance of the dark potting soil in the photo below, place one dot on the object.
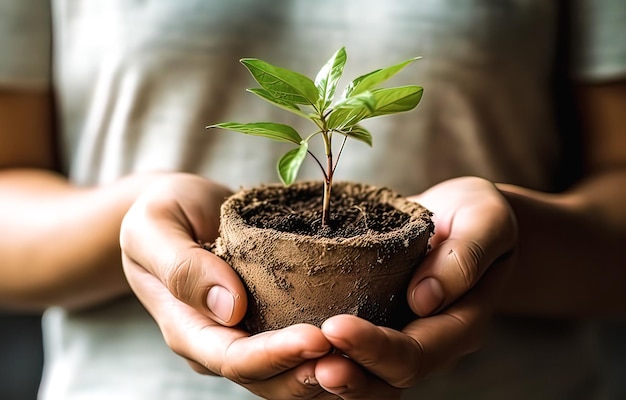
(301, 213)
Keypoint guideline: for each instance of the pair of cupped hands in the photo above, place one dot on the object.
(197, 299)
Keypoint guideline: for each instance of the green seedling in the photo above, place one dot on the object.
(315, 101)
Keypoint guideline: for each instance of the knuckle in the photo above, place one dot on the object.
(473, 332)
(415, 374)
(469, 262)
(176, 340)
(465, 336)
(199, 368)
(177, 276)
(228, 372)
(230, 367)
(232, 373)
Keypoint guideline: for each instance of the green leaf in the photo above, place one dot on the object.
(271, 130)
(345, 118)
(282, 83)
(395, 100)
(282, 103)
(365, 99)
(352, 85)
(374, 78)
(359, 133)
(326, 80)
(349, 112)
(289, 164)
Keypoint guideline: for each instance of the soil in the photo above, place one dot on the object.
(300, 212)
(296, 271)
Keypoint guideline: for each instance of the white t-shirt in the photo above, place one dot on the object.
(137, 81)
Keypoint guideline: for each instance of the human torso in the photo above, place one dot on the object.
(137, 82)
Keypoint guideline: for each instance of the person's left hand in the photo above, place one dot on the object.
(453, 291)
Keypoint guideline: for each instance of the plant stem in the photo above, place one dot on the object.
(328, 185)
(326, 204)
(328, 181)
(343, 143)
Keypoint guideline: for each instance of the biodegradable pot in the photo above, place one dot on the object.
(309, 277)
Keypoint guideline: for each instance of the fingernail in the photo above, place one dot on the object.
(311, 381)
(221, 302)
(427, 296)
(312, 354)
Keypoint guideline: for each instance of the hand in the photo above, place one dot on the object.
(454, 291)
(197, 299)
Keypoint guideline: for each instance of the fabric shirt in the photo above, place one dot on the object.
(136, 82)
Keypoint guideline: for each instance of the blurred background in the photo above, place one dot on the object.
(21, 356)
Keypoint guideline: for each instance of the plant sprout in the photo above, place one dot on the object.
(315, 101)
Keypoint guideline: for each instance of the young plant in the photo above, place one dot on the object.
(315, 101)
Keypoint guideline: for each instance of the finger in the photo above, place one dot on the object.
(199, 368)
(341, 376)
(470, 237)
(298, 382)
(460, 329)
(273, 364)
(383, 352)
(448, 272)
(194, 276)
(157, 235)
(426, 345)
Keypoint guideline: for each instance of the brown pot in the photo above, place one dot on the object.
(296, 278)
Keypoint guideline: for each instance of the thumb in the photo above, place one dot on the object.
(475, 229)
(159, 236)
(447, 272)
(192, 274)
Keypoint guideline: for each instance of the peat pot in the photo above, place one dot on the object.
(297, 271)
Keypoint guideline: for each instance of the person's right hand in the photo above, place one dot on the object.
(197, 299)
